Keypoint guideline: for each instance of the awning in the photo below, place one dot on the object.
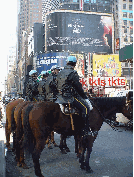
(126, 53)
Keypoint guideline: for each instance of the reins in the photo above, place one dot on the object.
(104, 118)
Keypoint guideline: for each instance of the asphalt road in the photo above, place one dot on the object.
(112, 156)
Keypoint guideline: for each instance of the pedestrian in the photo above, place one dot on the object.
(32, 86)
(70, 90)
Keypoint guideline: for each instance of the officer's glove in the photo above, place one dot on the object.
(89, 104)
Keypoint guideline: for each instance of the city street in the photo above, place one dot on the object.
(112, 156)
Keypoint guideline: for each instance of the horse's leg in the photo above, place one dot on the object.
(52, 139)
(82, 149)
(90, 142)
(61, 144)
(36, 155)
(65, 144)
(21, 155)
(14, 140)
(7, 131)
(49, 142)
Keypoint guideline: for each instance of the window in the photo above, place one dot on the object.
(130, 7)
(130, 15)
(131, 39)
(125, 30)
(124, 6)
(125, 22)
(124, 14)
(74, 0)
(131, 23)
(130, 0)
(124, 0)
(125, 39)
(93, 1)
(116, 7)
(131, 31)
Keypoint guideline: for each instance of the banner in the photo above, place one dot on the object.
(106, 65)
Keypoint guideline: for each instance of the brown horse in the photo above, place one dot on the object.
(107, 107)
(10, 124)
(42, 118)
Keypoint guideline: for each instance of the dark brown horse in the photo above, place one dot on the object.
(42, 118)
(10, 124)
(107, 107)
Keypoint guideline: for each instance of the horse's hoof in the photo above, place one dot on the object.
(55, 145)
(19, 164)
(50, 147)
(82, 167)
(25, 166)
(67, 150)
(63, 152)
(89, 170)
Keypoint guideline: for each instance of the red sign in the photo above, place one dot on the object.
(81, 4)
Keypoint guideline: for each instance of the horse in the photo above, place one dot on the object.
(10, 124)
(39, 120)
(107, 108)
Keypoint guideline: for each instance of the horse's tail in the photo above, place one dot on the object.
(28, 135)
(13, 124)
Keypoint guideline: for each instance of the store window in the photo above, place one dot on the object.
(130, 7)
(124, 14)
(124, 6)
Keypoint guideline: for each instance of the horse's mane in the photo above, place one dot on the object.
(108, 102)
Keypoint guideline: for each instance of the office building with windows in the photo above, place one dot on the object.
(123, 18)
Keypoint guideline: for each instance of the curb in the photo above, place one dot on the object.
(2, 159)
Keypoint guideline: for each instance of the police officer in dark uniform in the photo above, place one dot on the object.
(41, 88)
(51, 84)
(32, 86)
(70, 90)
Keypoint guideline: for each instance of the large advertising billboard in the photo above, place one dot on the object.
(106, 65)
(76, 31)
(45, 61)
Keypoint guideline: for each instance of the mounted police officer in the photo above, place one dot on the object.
(32, 86)
(51, 85)
(41, 88)
(70, 90)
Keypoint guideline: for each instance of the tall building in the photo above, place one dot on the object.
(85, 5)
(29, 12)
(123, 22)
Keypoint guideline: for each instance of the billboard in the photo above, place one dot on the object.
(106, 65)
(80, 65)
(76, 31)
(45, 61)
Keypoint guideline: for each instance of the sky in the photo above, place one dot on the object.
(8, 19)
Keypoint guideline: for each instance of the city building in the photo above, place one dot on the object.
(123, 22)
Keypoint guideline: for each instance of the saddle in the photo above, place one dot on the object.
(68, 108)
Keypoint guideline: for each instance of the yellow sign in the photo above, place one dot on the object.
(106, 65)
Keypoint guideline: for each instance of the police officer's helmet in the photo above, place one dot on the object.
(32, 72)
(55, 67)
(71, 59)
(44, 73)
